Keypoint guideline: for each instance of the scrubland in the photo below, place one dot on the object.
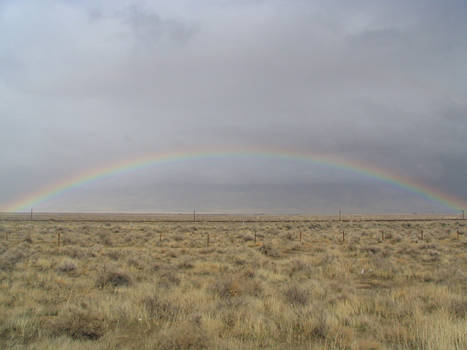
(137, 285)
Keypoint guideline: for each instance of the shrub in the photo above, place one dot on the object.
(227, 287)
(239, 261)
(268, 250)
(10, 258)
(137, 262)
(113, 278)
(186, 335)
(172, 254)
(458, 308)
(67, 265)
(290, 236)
(248, 273)
(104, 239)
(321, 327)
(298, 265)
(185, 265)
(237, 285)
(370, 249)
(248, 238)
(296, 296)
(114, 254)
(169, 278)
(77, 324)
(74, 252)
(160, 309)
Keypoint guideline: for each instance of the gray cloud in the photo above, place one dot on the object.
(90, 83)
(150, 28)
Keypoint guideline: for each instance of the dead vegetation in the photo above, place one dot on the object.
(253, 285)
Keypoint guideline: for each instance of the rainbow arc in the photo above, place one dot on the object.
(428, 192)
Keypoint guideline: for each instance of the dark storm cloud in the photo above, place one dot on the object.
(86, 83)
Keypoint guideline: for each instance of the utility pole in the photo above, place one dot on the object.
(31, 214)
(194, 214)
(340, 215)
(463, 218)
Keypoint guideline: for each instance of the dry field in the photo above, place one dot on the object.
(139, 285)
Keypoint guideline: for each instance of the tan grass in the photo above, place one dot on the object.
(159, 286)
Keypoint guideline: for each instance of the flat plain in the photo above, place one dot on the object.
(275, 282)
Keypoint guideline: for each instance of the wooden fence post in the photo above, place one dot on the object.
(421, 235)
(382, 235)
(343, 235)
(160, 236)
(300, 236)
(255, 236)
(207, 241)
(58, 239)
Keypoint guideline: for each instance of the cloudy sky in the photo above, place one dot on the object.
(89, 83)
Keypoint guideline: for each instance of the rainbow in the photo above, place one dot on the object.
(355, 166)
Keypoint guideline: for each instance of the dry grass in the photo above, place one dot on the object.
(119, 285)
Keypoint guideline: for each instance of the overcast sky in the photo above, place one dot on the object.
(86, 83)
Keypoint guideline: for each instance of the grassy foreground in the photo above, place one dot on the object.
(162, 286)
